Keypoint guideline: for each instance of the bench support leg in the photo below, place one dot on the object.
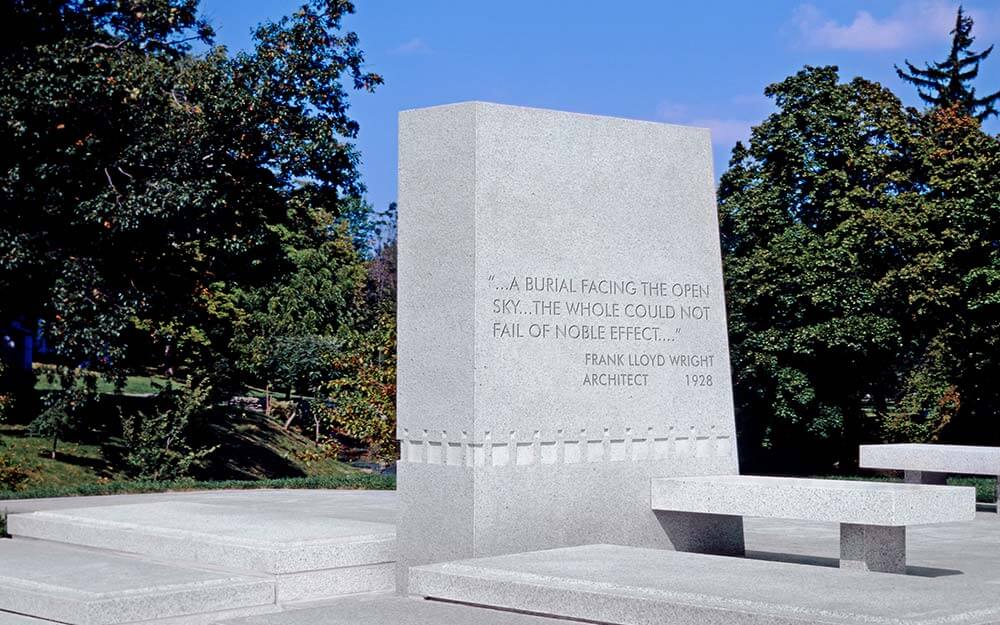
(924, 477)
(877, 548)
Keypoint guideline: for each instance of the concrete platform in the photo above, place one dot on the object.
(258, 540)
(395, 610)
(8, 618)
(86, 587)
(363, 505)
(958, 555)
(310, 546)
(634, 586)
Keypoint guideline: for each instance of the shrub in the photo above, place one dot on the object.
(12, 474)
(156, 444)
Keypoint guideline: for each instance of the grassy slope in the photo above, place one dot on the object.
(251, 447)
(76, 463)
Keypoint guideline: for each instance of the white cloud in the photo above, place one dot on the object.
(670, 111)
(753, 101)
(914, 22)
(413, 46)
(725, 131)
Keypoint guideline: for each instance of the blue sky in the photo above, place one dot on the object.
(702, 63)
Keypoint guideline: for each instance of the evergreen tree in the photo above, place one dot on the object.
(946, 83)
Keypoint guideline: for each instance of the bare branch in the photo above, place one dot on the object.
(185, 40)
(107, 46)
(111, 183)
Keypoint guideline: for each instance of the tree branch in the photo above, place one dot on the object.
(107, 46)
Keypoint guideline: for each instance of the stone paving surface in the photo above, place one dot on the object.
(96, 560)
(954, 565)
(617, 584)
(76, 585)
(299, 537)
(363, 505)
(973, 547)
(395, 610)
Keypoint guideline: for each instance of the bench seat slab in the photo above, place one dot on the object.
(872, 515)
(933, 458)
(838, 501)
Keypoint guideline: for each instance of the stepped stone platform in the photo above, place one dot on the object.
(395, 610)
(192, 558)
(9, 618)
(308, 554)
(74, 585)
(953, 571)
(616, 584)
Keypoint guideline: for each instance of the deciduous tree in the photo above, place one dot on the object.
(146, 186)
(860, 247)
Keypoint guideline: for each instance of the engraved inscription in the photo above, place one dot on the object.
(630, 329)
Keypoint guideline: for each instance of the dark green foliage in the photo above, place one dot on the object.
(946, 83)
(290, 334)
(952, 282)
(860, 245)
(142, 188)
(176, 213)
(811, 341)
(986, 488)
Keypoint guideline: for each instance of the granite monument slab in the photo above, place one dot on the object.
(562, 333)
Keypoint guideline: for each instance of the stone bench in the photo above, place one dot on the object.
(931, 464)
(872, 515)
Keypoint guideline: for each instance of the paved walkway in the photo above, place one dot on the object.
(943, 559)
(934, 550)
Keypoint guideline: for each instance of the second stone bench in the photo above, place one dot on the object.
(924, 463)
(873, 516)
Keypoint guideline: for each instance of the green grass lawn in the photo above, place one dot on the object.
(134, 384)
(75, 463)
